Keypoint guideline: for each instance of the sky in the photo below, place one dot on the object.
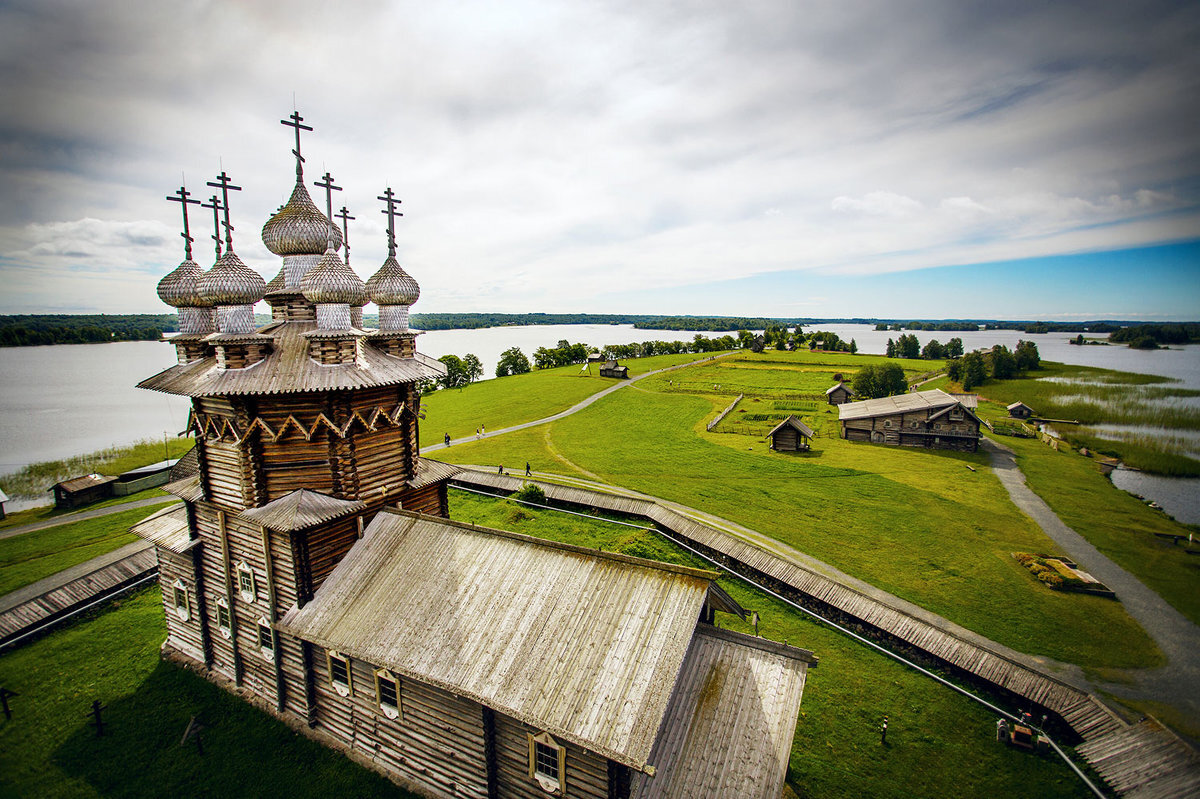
(948, 159)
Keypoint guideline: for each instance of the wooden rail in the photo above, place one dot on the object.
(721, 416)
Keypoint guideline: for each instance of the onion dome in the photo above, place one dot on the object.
(391, 285)
(331, 281)
(299, 227)
(276, 283)
(178, 287)
(230, 282)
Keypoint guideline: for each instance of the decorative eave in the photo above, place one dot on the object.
(188, 489)
(430, 471)
(300, 509)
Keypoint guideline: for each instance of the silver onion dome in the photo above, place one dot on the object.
(299, 227)
(332, 281)
(178, 287)
(391, 285)
(230, 282)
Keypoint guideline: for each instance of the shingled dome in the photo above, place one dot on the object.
(230, 282)
(299, 227)
(178, 287)
(391, 285)
(332, 281)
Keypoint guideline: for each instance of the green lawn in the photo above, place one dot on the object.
(48, 750)
(939, 743)
(29, 557)
(507, 401)
(916, 523)
(50, 512)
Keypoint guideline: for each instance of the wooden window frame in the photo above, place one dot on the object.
(225, 629)
(182, 609)
(956, 414)
(343, 689)
(268, 652)
(251, 594)
(548, 783)
(382, 676)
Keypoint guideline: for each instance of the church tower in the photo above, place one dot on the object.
(305, 429)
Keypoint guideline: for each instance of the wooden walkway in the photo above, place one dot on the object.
(1114, 742)
(46, 600)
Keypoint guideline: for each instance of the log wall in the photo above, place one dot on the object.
(914, 430)
(184, 635)
(586, 772)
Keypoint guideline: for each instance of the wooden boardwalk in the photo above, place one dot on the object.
(46, 600)
(1113, 742)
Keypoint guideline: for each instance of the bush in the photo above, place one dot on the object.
(530, 492)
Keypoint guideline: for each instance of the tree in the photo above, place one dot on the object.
(954, 348)
(954, 370)
(891, 349)
(880, 381)
(1027, 355)
(473, 367)
(974, 370)
(853, 347)
(1004, 365)
(456, 372)
(933, 351)
(512, 362)
(745, 338)
(907, 346)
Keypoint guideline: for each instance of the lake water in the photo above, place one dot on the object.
(65, 400)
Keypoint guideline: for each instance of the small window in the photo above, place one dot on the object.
(266, 639)
(956, 414)
(339, 672)
(547, 762)
(937, 426)
(387, 691)
(913, 425)
(179, 597)
(224, 620)
(887, 422)
(245, 581)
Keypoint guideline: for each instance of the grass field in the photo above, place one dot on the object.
(46, 512)
(939, 743)
(34, 480)
(29, 557)
(916, 523)
(48, 750)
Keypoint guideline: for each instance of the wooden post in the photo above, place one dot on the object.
(883, 732)
(237, 658)
(4, 696)
(489, 752)
(193, 732)
(271, 616)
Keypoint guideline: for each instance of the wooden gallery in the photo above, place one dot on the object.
(931, 419)
(313, 565)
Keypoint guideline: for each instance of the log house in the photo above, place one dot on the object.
(931, 419)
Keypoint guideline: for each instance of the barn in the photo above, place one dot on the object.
(932, 419)
(791, 435)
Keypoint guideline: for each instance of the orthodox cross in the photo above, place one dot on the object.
(296, 119)
(389, 197)
(225, 186)
(215, 205)
(181, 197)
(326, 183)
(344, 215)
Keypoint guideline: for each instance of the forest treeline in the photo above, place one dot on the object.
(1151, 336)
(26, 330)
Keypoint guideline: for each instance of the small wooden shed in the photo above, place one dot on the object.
(82, 490)
(611, 369)
(791, 435)
(3, 499)
(1019, 410)
(838, 394)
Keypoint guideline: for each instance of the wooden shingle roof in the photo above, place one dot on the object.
(84, 482)
(168, 528)
(431, 471)
(300, 509)
(836, 386)
(289, 369)
(792, 421)
(932, 400)
(583, 644)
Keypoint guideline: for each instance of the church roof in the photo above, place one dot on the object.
(586, 645)
(300, 509)
(288, 368)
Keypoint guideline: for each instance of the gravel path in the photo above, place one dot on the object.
(1179, 639)
(69, 518)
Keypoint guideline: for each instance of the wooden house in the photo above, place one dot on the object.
(3, 499)
(313, 568)
(612, 369)
(144, 477)
(791, 435)
(838, 394)
(931, 419)
(1019, 410)
(83, 490)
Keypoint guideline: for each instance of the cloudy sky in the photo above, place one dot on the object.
(773, 157)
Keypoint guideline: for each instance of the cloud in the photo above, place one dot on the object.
(878, 203)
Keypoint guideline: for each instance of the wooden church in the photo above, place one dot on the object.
(313, 567)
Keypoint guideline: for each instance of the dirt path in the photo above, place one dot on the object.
(70, 518)
(1178, 638)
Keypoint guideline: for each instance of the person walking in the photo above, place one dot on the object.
(447, 439)
(527, 472)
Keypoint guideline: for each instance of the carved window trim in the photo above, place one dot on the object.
(181, 601)
(246, 583)
(389, 706)
(548, 763)
(266, 639)
(342, 682)
(224, 619)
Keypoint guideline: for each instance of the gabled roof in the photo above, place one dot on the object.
(3, 496)
(188, 488)
(731, 721)
(932, 400)
(586, 645)
(793, 422)
(1018, 404)
(168, 528)
(836, 386)
(84, 482)
(187, 465)
(431, 471)
(289, 369)
(300, 509)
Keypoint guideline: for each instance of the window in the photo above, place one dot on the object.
(387, 691)
(224, 620)
(956, 414)
(937, 426)
(245, 581)
(887, 422)
(179, 597)
(913, 425)
(547, 762)
(339, 672)
(266, 639)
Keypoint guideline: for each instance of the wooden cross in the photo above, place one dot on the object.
(326, 183)
(215, 205)
(193, 732)
(95, 714)
(181, 197)
(5, 695)
(225, 186)
(389, 197)
(296, 119)
(344, 215)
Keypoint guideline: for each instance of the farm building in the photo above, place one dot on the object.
(313, 567)
(82, 490)
(1019, 410)
(838, 394)
(791, 435)
(612, 369)
(932, 419)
